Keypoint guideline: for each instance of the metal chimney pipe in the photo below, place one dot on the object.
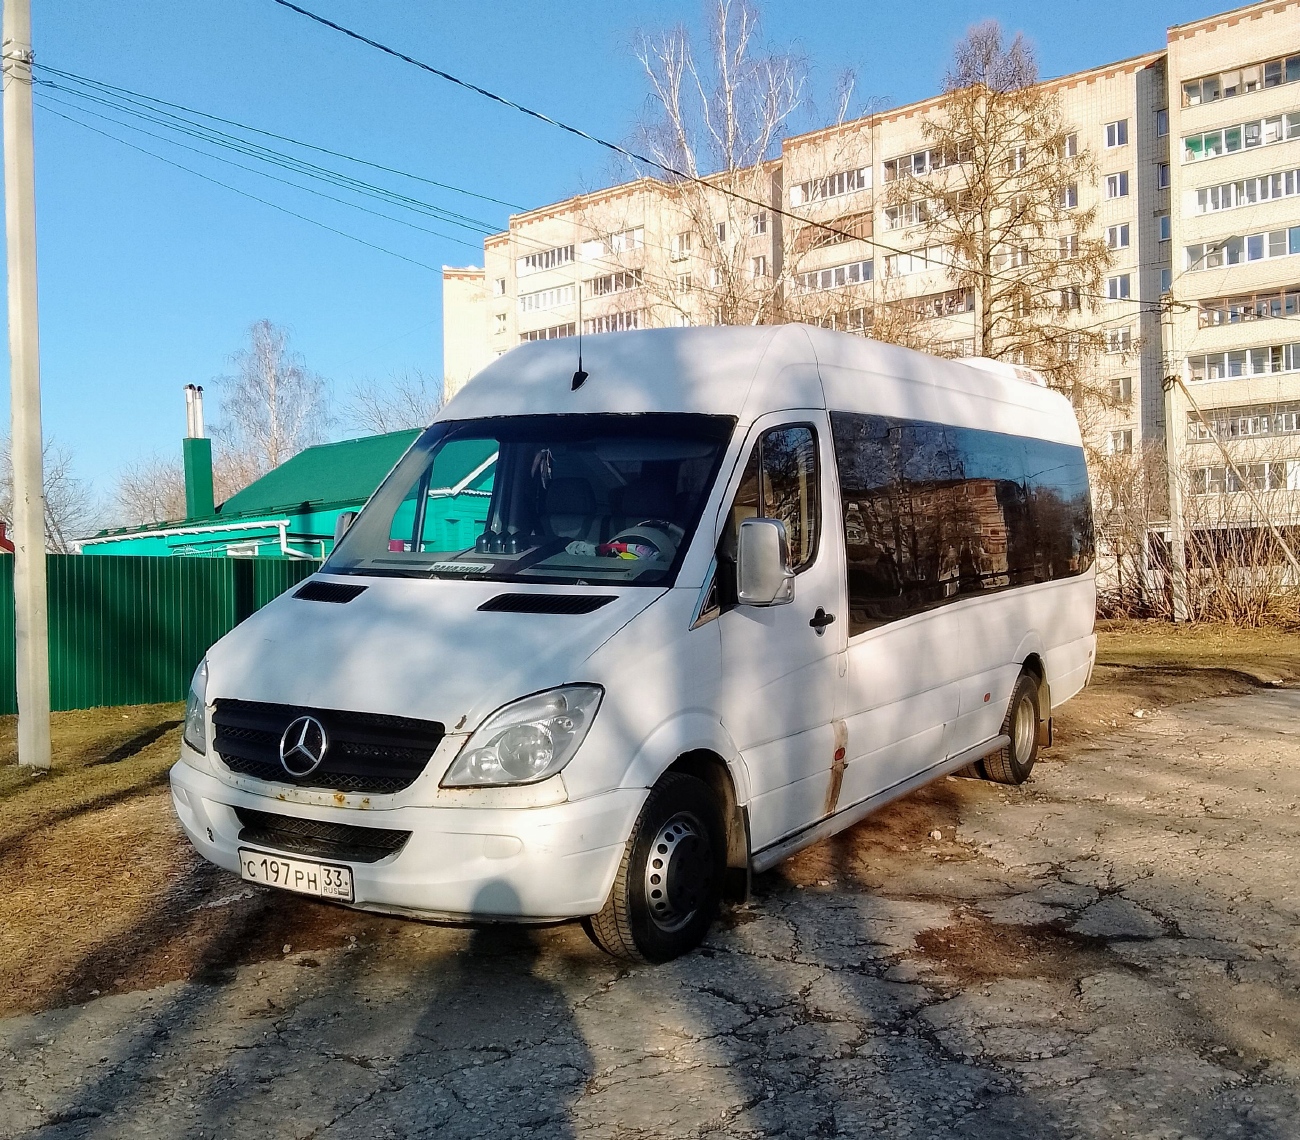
(193, 411)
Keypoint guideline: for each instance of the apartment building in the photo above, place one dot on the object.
(1197, 154)
(1234, 120)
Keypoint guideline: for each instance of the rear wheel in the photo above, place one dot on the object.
(669, 883)
(1012, 764)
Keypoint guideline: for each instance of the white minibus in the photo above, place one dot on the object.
(612, 637)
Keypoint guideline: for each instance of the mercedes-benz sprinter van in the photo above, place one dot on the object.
(603, 644)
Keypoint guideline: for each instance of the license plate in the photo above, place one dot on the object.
(324, 880)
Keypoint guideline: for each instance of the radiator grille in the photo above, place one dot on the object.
(367, 752)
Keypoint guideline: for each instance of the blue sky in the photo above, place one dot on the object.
(149, 276)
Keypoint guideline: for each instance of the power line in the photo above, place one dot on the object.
(617, 148)
(127, 93)
(243, 193)
(310, 170)
(274, 158)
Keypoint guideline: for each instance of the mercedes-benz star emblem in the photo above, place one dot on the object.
(303, 746)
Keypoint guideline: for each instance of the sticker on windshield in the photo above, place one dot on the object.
(460, 567)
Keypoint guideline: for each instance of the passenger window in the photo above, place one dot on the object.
(933, 513)
(780, 482)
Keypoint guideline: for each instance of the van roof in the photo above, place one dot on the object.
(747, 372)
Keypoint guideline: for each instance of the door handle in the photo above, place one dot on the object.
(820, 620)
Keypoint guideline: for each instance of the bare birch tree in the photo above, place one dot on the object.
(719, 118)
(71, 508)
(152, 489)
(408, 399)
(272, 405)
(996, 200)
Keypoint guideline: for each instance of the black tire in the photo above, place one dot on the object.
(1012, 764)
(656, 913)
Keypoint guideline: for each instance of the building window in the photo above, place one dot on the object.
(1162, 176)
(552, 333)
(758, 223)
(908, 214)
(1247, 192)
(920, 163)
(544, 259)
(1166, 279)
(1242, 81)
(615, 322)
(1239, 250)
(832, 186)
(1069, 247)
(919, 260)
(1121, 389)
(500, 323)
(1163, 227)
(623, 242)
(1117, 185)
(546, 299)
(758, 266)
(1276, 476)
(1069, 197)
(1072, 145)
(1267, 305)
(1239, 362)
(613, 283)
(681, 246)
(1119, 341)
(683, 283)
(1117, 288)
(1117, 236)
(1245, 136)
(1162, 123)
(1117, 133)
(1121, 442)
(715, 278)
(720, 229)
(835, 277)
(1071, 299)
(498, 287)
(1250, 421)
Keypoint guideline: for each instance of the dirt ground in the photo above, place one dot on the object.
(1010, 963)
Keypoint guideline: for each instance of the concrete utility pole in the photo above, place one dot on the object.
(1172, 380)
(32, 635)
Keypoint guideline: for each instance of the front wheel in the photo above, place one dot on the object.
(669, 884)
(1012, 764)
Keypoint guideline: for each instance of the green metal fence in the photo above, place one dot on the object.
(126, 631)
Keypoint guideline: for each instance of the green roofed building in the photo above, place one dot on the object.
(292, 511)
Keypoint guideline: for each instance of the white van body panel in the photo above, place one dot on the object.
(754, 687)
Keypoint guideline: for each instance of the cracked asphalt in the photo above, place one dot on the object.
(1110, 951)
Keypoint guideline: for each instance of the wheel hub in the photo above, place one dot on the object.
(1023, 729)
(678, 872)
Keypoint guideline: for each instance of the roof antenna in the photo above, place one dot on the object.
(579, 377)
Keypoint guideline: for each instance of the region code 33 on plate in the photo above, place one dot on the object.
(324, 880)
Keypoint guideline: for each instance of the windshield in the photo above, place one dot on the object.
(579, 499)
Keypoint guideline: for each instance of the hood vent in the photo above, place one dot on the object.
(546, 603)
(318, 591)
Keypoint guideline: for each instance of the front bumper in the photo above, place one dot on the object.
(530, 863)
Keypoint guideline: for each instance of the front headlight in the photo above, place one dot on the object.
(196, 724)
(527, 740)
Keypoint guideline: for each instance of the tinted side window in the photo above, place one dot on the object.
(1060, 506)
(933, 513)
